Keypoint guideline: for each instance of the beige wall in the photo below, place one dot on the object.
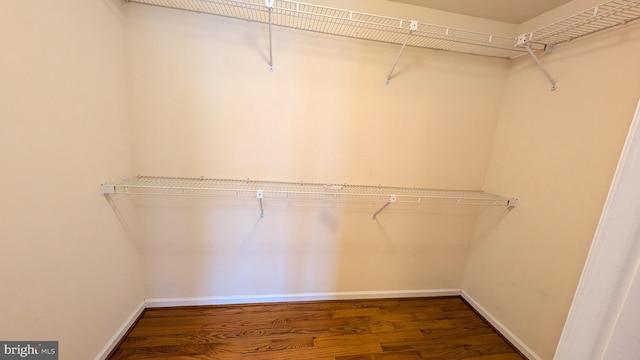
(69, 272)
(205, 104)
(557, 152)
(85, 100)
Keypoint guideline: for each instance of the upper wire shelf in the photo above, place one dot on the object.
(352, 24)
(604, 16)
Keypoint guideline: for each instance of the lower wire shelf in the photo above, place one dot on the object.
(300, 191)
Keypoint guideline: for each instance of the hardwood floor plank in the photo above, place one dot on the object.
(378, 338)
(497, 357)
(257, 341)
(464, 352)
(315, 353)
(406, 355)
(423, 324)
(380, 329)
(370, 311)
(206, 351)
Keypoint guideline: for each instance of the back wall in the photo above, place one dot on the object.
(204, 104)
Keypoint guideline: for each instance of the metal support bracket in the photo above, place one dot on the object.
(106, 189)
(413, 26)
(260, 196)
(269, 5)
(392, 199)
(541, 66)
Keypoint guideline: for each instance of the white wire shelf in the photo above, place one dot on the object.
(602, 17)
(299, 191)
(352, 24)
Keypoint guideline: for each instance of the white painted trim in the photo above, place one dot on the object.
(516, 341)
(247, 299)
(122, 331)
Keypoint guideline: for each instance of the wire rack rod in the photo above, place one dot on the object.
(275, 190)
(604, 16)
(352, 24)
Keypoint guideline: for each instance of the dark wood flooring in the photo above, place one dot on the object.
(393, 329)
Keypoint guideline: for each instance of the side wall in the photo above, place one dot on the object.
(69, 272)
(205, 104)
(557, 152)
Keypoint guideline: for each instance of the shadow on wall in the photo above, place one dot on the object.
(410, 247)
(125, 210)
(221, 248)
(487, 222)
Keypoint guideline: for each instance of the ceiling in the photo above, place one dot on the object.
(509, 11)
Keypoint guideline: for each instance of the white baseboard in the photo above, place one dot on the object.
(227, 300)
(504, 331)
(115, 339)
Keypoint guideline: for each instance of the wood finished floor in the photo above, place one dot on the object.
(394, 329)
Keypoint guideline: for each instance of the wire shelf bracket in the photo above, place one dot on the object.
(260, 196)
(544, 70)
(269, 5)
(299, 191)
(392, 199)
(413, 26)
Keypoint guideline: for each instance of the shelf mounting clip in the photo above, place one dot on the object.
(106, 189)
(392, 199)
(413, 26)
